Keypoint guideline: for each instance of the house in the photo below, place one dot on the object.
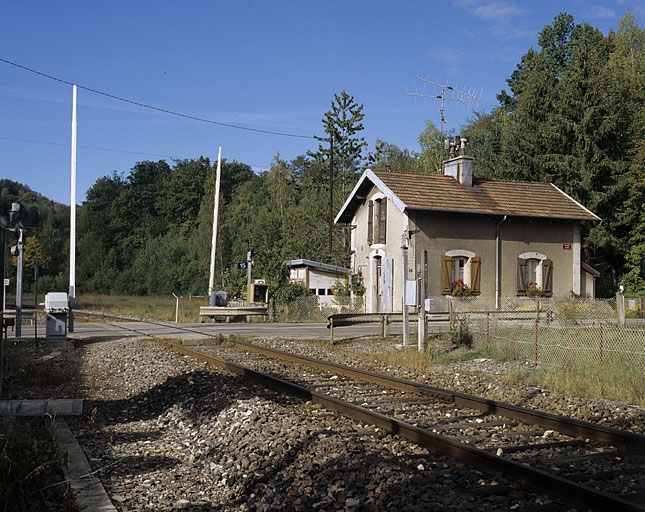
(322, 278)
(490, 238)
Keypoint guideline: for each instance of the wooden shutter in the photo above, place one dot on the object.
(370, 222)
(386, 291)
(475, 274)
(382, 220)
(547, 277)
(446, 265)
(521, 272)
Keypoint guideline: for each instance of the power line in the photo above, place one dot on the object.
(94, 148)
(152, 107)
(47, 143)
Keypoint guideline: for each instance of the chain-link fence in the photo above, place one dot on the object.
(309, 309)
(540, 331)
(550, 332)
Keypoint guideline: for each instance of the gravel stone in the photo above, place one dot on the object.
(164, 432)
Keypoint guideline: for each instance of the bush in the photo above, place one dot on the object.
(460, 333)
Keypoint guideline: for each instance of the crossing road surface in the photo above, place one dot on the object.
(313, 331)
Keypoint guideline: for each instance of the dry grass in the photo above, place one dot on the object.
(150, 308)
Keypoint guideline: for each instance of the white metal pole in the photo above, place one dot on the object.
(176, 307)
(21, 250)
(211, 278)
(72, 217)
(249, 256)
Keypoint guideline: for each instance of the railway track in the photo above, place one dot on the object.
(587, 465)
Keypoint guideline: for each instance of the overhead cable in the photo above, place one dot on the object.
(152, 107)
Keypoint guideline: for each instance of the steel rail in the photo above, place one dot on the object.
(572, 492)
(568, 426)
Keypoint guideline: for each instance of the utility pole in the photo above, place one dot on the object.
(407, 234)
(211, 297)
(20, 249)
(72, 218)
(448, 93)
(404, 282)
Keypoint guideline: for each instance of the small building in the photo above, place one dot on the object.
(494, 238)
(322, 278)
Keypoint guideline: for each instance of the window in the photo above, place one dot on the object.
(534, 275)
(376, 221)
(457, 265)
(382, 220)
(460, 267)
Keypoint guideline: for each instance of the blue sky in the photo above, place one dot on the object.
(263, 66)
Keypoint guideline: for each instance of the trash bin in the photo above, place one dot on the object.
(56, 311)
(219, 299)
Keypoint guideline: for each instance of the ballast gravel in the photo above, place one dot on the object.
(164, 432)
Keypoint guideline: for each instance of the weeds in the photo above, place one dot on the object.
(30, 461)
(153, 308)
(460, 333)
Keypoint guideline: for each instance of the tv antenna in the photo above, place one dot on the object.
(448, 93)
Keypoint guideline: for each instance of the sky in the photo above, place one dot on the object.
(166, 80)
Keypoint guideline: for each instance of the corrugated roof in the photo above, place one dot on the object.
(437, 192)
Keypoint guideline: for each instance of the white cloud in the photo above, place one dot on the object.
(599, 11)
(497, 11)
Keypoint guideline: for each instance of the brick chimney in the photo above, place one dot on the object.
(460, 168)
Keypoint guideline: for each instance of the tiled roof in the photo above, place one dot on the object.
(437, 192)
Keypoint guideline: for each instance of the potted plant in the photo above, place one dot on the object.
(460, 289)
(533, 290)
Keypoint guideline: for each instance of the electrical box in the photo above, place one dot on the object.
(411, 293)
(56, 305)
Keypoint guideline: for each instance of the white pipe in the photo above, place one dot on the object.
(498, 262)
(176, 307)
(211, 278)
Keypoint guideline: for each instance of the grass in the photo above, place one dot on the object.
(585, 378)
(150, 308)
(31, 469)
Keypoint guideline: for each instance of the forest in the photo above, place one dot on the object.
(572, 115)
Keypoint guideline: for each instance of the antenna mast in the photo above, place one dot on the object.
(448, 93)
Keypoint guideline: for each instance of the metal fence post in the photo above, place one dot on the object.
(537, 321)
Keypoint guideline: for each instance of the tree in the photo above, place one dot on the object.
(35, 255)
(564, 122)
(390, 156)
(484, 133)
(341, 124)
(176, 197)
(432, 153)
(626, 75)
